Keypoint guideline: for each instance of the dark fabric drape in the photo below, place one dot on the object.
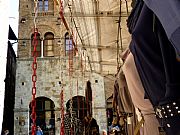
(133, 17)
(88, 94)
(88, 91)
(155, 59)
(91, 126)
(168, 12)
(148, 58)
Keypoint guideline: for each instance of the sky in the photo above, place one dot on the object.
(14, 18)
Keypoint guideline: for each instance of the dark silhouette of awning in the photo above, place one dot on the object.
(11, 35)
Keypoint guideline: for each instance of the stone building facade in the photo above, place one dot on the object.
(52, 71)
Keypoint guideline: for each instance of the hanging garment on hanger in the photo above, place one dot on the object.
(148, 59)
(137, 93)
(133, 17)
(158, 69)
(123, 102)
(168, 12)
(117, 103)
(171, 101)
(121, 96)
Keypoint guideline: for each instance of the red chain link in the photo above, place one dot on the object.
(34, 79)
(62, 113)
(62, 132)
(61, 8)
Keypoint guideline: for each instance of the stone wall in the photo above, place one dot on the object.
(45, 22)
(50, 71)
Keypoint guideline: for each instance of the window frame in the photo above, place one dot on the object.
(38, 46)
(68, 44)
(47, 45)
(43, 5)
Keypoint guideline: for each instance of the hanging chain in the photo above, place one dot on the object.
(34, 79)
(71, 54)
(62, 131)
(34, 68)
(62, 112)
(61, 8)
(35, 11)
(70, 85)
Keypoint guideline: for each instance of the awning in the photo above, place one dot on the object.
(11, 35)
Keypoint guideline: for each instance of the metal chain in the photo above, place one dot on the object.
(34, 79)
(71, 54)
(61, 8)
(34, 68)
(62, 115)
(35, 11)
(62, 128)
(62, 112)
(70, 85)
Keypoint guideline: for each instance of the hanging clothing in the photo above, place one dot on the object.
(91, 126)
(137, 93)
(158, 68)
(147, 54)
(133, 17)
(125, 98)
(168, 12)
(117, 103)
(123, 103)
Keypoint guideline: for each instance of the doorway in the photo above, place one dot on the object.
(45, 116)
(79, 106)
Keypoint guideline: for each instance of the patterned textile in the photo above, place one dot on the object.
(91, 126)
(77, 125)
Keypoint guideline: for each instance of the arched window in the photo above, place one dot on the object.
(44, 6)
(68, 44)
(38, 48)
(49, 44)
(79, 105)
(45, 116)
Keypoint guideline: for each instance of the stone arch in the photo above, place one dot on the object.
(42, 29)
(45, 114)
(79, 106)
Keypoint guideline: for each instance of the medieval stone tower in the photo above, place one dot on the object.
(52, 71)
